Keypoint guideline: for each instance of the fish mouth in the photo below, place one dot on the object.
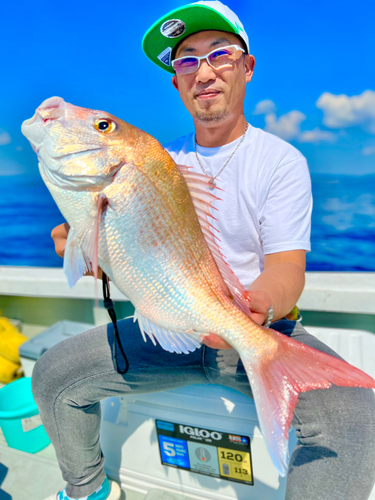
(50, 110)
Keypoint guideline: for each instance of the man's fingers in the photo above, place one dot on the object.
(259, 318)
(59, 234)
(260, 305)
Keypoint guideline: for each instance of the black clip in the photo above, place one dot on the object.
(108, 304)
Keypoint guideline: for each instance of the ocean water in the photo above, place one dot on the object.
(342, 237)
(343, 224)
(27, 215)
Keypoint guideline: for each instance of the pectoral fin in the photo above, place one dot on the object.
(81, 250)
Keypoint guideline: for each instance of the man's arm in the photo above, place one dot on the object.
(280, 285)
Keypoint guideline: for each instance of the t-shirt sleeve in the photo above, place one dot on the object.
(285, 208)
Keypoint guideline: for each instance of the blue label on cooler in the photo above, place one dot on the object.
(205, 451)
(174, 451)
(167, 426)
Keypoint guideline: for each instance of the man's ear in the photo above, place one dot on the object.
(249, 67)
(175, 82)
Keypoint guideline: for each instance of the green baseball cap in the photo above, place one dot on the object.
(163, 36)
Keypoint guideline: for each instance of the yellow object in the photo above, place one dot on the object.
(295, 312)
(235, 464)
(10, 340)
(9, 370)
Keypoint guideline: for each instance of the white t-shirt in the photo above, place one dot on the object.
(266, 201)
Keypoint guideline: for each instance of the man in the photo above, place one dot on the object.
(264, 221)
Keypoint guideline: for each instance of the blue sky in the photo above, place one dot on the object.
(308, 54)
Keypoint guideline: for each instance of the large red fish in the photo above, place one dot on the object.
(145, 222)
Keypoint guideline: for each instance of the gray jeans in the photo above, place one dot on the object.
(334, 458)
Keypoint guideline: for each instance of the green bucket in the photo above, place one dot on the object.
(19, 417)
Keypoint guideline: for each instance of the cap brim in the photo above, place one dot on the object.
(158, 47)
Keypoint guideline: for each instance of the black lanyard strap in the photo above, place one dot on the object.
(108, 304)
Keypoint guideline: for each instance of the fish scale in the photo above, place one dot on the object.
(175, 259)
(131, 210)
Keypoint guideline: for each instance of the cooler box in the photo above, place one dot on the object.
(193, 442)
(31, 350)
(208, 429)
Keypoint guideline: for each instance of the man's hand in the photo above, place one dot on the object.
(260, 305)
(59, 235)
(280, 284)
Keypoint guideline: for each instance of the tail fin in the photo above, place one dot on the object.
(277, 382)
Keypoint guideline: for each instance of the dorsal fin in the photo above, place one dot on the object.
(198, 185)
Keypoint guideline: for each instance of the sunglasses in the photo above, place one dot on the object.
(218, 58)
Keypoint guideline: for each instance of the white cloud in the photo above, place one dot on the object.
(11, 167)
(287, 126)
(369, 150)
(342, 111)
(264, 107)
(4, 138)
(341, 214)
(317, 136)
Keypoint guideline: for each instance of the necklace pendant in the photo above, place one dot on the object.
(211, 182)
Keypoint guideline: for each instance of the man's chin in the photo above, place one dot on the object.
(210, 116)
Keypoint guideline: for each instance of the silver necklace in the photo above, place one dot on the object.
(212, 182)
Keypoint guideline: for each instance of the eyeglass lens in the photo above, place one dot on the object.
(217, 59)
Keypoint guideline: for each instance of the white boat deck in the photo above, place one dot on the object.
(324, 291)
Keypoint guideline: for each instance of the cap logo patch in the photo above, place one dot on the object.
(165, 56)
(173, 28)
(238, 26)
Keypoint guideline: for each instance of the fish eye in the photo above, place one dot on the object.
(105, 125)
